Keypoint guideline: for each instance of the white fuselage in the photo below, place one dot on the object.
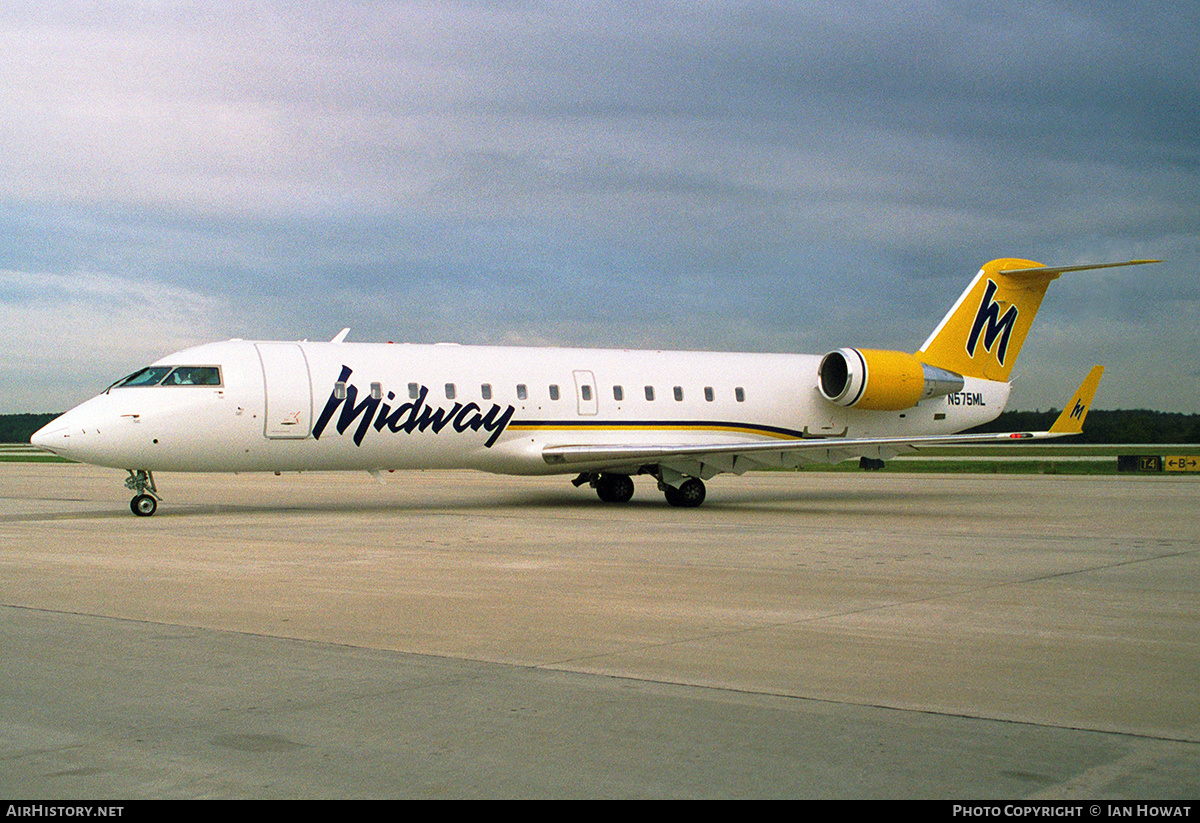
(284, 406)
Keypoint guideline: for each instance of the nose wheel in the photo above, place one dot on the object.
(145, 500)
(143, 505)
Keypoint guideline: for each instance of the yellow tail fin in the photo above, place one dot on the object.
(984, 331)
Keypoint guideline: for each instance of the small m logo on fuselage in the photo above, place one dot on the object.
(989, 322)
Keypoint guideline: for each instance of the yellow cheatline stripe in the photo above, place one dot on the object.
(654, 427)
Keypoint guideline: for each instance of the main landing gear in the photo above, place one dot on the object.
(618, 488)
(145, 500)
(614, 488)
(688, 495)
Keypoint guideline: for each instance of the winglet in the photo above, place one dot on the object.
(1071, 419)
(340, 336)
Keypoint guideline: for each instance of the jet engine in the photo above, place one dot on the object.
(882, 380)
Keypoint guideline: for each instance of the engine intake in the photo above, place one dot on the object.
(882, 380)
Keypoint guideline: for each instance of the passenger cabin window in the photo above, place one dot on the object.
(618, 393)
(485, 391)
(376, 391)
(553, 392)
(414, 391)
(679, 392)
(649, 392)
(740, 394)
(451, 391)
(339, 390)
(708, 393)
(522, 392)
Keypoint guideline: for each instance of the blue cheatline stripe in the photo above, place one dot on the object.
(658, 425)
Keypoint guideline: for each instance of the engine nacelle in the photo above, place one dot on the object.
(882, 380)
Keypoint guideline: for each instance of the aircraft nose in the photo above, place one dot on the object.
(52, 437)
(93, 432)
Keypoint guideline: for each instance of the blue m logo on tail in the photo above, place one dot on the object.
(989, 322)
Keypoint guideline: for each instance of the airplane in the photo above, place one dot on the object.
(605, 415)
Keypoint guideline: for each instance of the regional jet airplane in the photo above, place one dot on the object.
(605, 416)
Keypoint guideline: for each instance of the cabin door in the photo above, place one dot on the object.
(585, 392)
(288, 386)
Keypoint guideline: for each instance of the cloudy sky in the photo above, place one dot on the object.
(750, 176)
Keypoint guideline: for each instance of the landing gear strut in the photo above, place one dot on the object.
(145, 500)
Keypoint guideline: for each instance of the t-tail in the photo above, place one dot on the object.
(984, 331)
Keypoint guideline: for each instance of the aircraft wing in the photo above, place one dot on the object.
(714, 458)
(705, 460)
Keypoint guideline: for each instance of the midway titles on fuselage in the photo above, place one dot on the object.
(414, 415)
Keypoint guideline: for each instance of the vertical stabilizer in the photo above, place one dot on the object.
(983, 334)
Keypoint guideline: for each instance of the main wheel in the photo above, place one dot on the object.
(614, 488)
(143, 505)
(689, 494)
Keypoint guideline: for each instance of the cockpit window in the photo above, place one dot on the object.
(172, 376)
(194, 376)
(149, 376)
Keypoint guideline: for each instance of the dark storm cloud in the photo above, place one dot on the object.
(766, 176)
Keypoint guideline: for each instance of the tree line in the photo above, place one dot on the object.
(1120, 426)
(16, 428)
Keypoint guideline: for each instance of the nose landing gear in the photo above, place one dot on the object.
(145, 500)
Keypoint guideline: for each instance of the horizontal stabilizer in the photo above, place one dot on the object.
(1054, 271)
